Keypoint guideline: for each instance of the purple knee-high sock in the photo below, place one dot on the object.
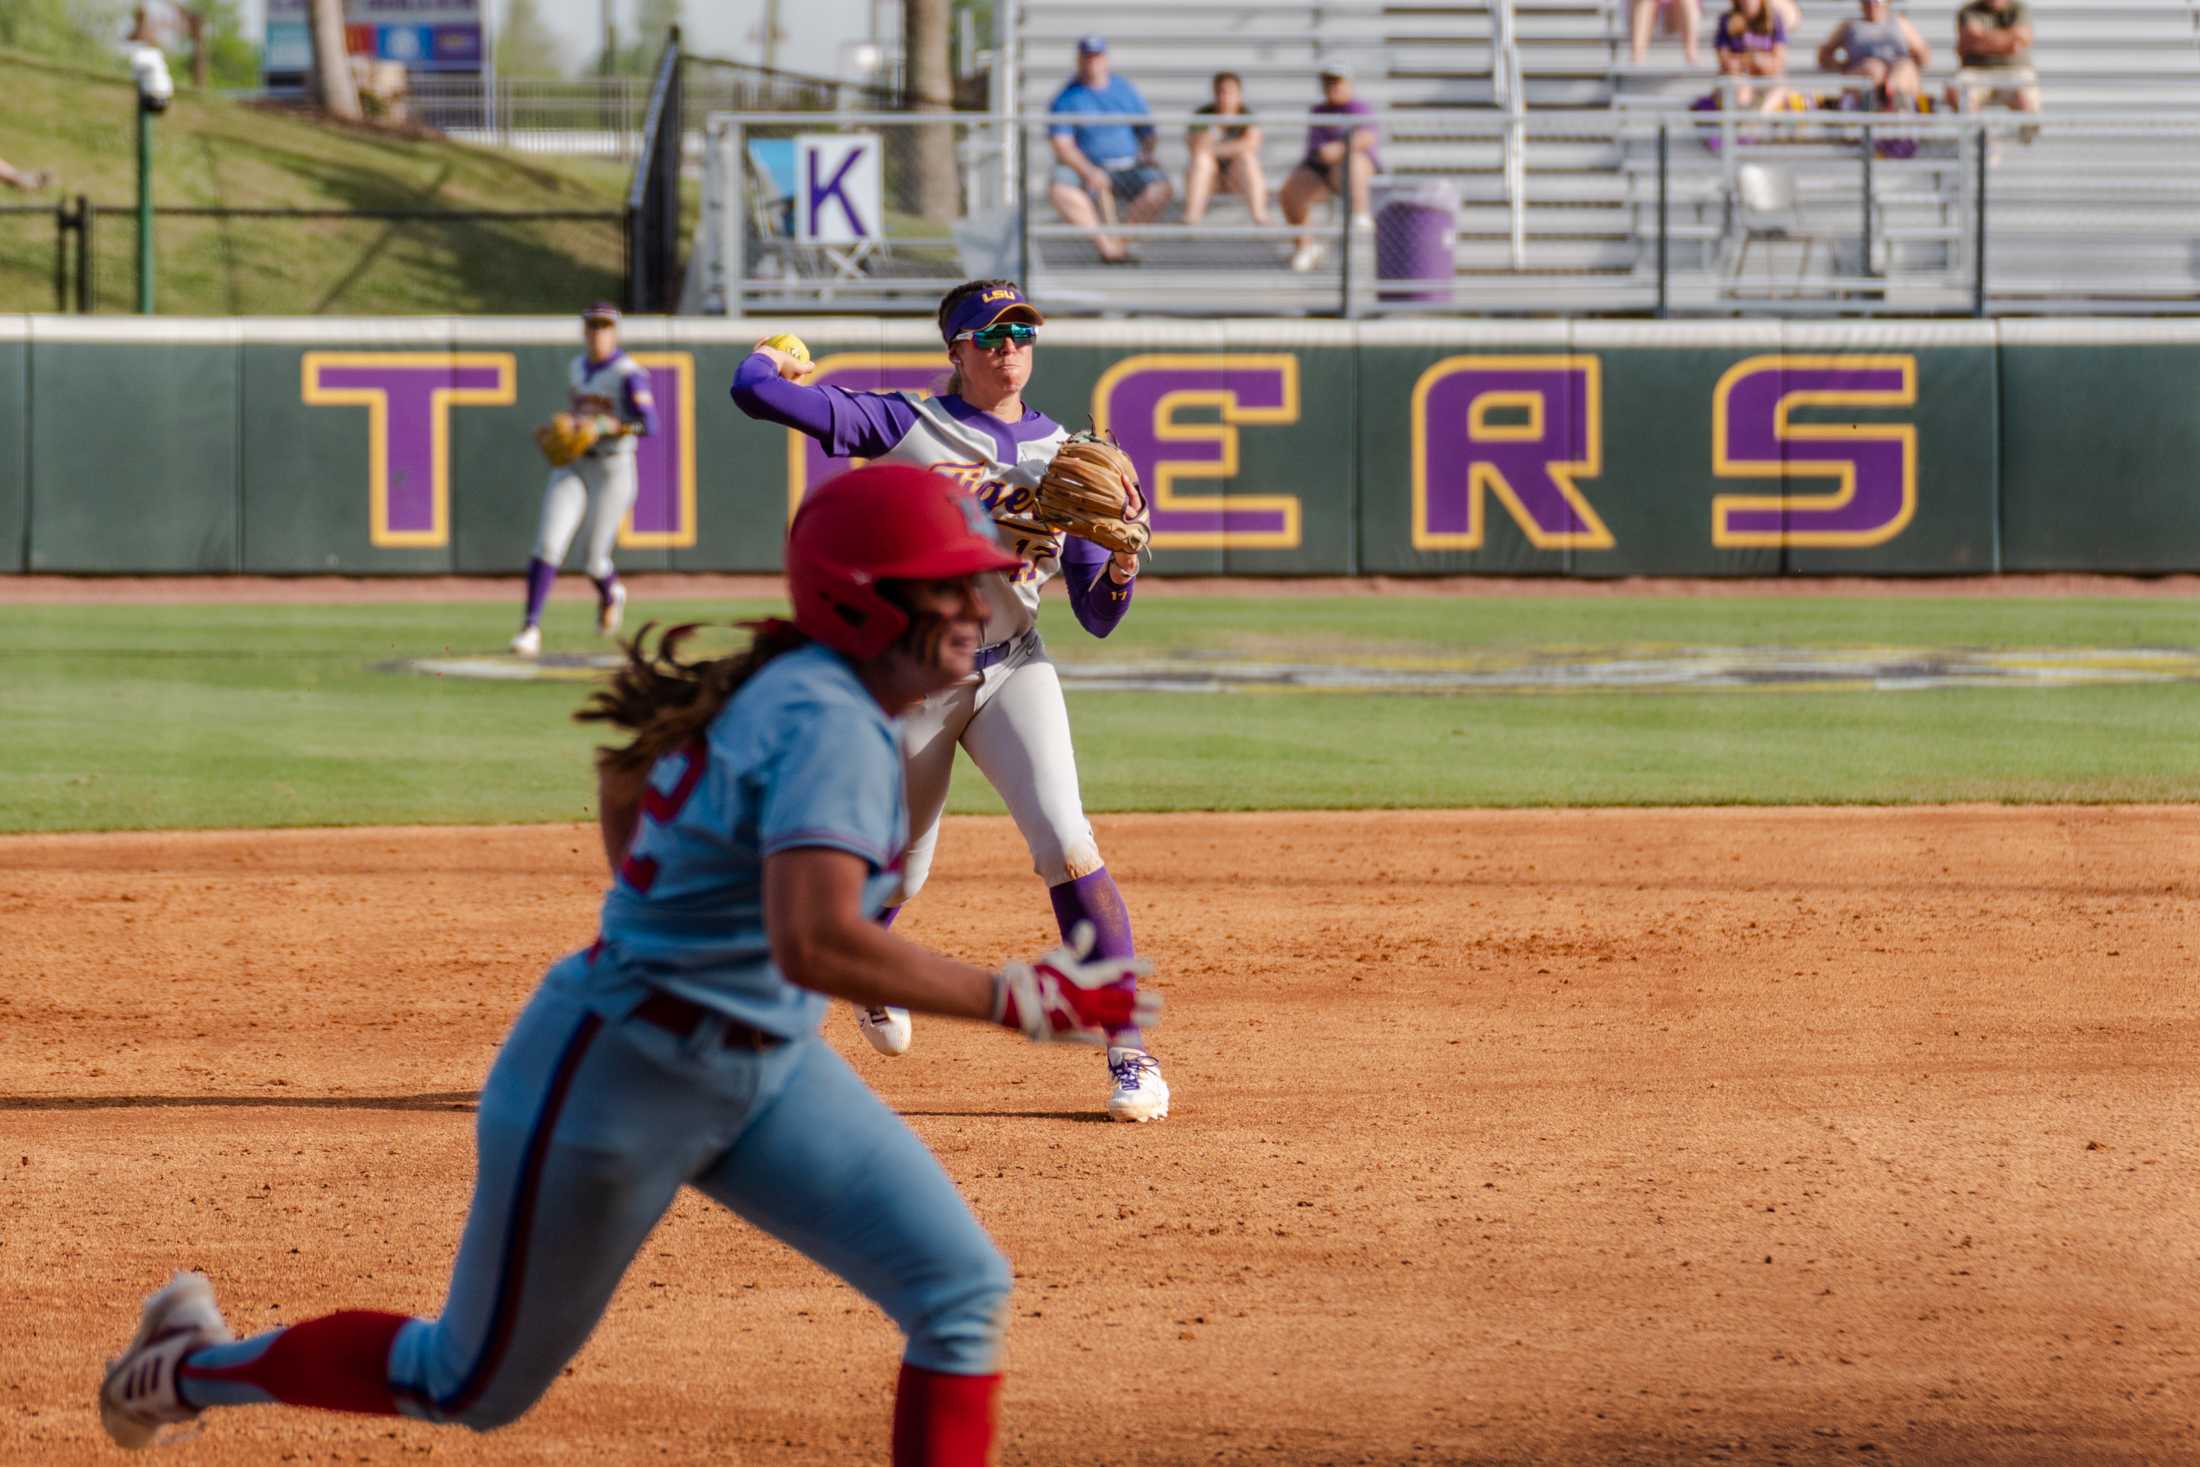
(541, 575)
(604, 585)
(1095, 899)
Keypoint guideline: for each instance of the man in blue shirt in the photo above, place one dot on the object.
(1104, 170)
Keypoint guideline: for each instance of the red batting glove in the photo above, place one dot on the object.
(1066, 998)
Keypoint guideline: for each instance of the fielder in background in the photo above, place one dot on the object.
(754, 822)
(592, 473)
(1009, 714)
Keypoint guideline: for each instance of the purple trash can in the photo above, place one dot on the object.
(1415, 226)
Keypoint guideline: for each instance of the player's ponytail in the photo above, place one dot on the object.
(664, 701)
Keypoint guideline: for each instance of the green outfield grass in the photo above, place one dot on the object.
(153, 717)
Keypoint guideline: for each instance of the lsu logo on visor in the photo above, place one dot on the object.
(998, 293)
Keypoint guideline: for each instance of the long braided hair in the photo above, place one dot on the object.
(666, 702)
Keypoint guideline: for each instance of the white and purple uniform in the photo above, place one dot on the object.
(674, 1053)
(600, 485)
(1010, 716)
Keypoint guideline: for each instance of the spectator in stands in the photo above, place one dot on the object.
(1882, 46)
(1682, 18)
(1103, 168)
(30, 180)
(1339, 161)
(1751, 41)
(1994, 43)
(1226, 155)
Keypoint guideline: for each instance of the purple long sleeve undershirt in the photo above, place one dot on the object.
(1097, 602)
(847, 424)
(866, 424)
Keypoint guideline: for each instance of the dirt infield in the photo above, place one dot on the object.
(1662, 1137)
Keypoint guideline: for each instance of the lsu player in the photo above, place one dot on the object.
(606, 384)
(754, 824)
(1009, 714)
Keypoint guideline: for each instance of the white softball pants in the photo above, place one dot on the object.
(1012, 719)
(599, 489)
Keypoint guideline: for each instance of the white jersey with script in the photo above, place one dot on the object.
(1001, 464)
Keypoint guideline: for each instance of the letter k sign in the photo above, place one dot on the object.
(840, 188)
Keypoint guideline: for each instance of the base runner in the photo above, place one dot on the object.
(754, 822)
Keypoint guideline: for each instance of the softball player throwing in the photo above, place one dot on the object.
(1009, 714)
(755, 824)
(608, 386)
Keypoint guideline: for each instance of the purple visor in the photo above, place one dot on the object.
(990, 307)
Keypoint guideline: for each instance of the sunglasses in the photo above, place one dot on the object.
(1023, 333)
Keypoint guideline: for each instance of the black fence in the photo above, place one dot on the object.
(653, 198)
(82, 257)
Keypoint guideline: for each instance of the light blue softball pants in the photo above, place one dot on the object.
(590, 1125)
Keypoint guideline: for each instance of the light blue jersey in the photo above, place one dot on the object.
(802, 756)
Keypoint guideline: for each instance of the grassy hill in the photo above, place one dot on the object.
(81, 124)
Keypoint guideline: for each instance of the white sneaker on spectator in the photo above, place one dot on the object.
(1306, 257)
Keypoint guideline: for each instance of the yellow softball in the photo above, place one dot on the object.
(789, 343)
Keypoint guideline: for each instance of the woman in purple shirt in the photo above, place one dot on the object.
(1339, 160)
(1752, 42)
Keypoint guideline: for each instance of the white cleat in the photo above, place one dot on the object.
(888, 1029)
(611, 610)
(528, 643)
(1140, 1094)
(138, 1399)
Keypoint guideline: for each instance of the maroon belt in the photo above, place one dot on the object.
(675, 1015)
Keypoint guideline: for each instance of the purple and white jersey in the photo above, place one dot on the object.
(1001, 463)
(616, 387)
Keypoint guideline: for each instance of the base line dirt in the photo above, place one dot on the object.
(1602, 1136)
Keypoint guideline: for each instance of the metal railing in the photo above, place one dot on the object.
(1512, 95)
(1612, 213)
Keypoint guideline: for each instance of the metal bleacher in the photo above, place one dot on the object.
(2100, 210)
(1534, 112)
(1409, 59)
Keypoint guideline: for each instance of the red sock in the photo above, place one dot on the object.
(340, 1362)
(945, 1420)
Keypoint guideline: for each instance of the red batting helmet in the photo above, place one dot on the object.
(882, 522)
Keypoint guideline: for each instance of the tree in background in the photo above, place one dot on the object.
(222, 55)
(638, 56)
(526, 45)
(333, 88)
(929, 84)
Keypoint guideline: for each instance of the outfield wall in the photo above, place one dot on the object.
(1270, 448)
